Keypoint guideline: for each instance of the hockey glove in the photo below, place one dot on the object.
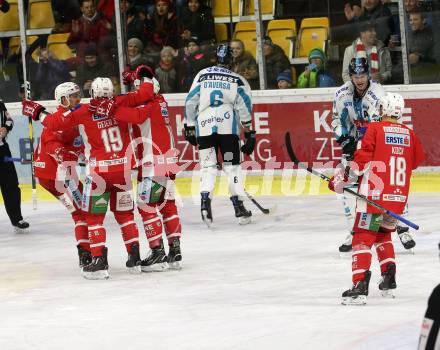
(127, 76)
(32, 109)
(104, 107)
(190, 134)
(63, 154)
(348, 144)
(249, 143)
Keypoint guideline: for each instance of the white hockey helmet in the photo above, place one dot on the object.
(101, 87)
(392, 105)
(65, 90)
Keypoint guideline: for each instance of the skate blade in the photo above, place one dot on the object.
(22, 231)
(388, 294)
(135, 270)
(205, 218)
(244, 220)
(176, 265)
(97, 275)
(155, 267)
(360, 300)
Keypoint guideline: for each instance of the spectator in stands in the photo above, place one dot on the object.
(51, 72)
(244, 63)
(417, 6)
(91, 27)
(196, 21)
(90, 69)
(421, 50)
(284, 80)
(135, 55)
(373, 10)
(276, 62)
(166, 73)
(107, 8)
(315, 74)
(161, 27)
(135, 25)
(193, 61)
(64, 11)
(377, 54)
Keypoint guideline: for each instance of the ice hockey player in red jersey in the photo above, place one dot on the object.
(156, 172)
(388, 154)
(109, 163)
(55, 159)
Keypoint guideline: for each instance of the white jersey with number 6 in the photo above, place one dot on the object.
(218, 102)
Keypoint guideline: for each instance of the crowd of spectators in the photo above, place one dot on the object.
(177, 38)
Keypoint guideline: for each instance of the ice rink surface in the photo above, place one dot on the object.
(274, 284)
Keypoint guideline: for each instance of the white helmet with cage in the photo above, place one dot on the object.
(392, 105)
(101, 87)
(65, 90)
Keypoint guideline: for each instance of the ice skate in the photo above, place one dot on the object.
(21, 227)
(156, 261)
(175, 255)
(346, 246)
(357, 295)
(98, 268)
(243, 215)
(133, 263)
(388, 282)
(405, 237)
(85, 257)
(205, 208)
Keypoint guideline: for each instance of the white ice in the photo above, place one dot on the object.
(274, 284)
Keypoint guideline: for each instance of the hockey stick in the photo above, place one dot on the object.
(348, 190)
(253, 200)
(17, 160)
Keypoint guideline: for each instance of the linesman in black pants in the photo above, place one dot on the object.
(8, 176)
(430, 335)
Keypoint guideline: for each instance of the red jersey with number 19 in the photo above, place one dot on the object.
(389, 153)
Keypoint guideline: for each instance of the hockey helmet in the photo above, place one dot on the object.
(358, 65)
(392, 105)
(101, 87)
(224, 55)
(65, 90)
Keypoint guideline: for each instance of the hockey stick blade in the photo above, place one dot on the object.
(294, 159)
(263, 210)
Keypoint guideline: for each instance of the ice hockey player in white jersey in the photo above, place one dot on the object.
(218, 105)
(355, 105)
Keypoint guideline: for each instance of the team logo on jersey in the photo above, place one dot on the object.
(394, 198)
(370, 222)
(96, 117)
(397, 139)
(227, 115)
(78, 141)
(39, 165)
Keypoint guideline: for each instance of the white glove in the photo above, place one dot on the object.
(156, 86)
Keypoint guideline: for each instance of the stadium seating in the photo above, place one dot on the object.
(315, 22)
(220, 8)
(14, 44)
(283, 33)
(9, 20)
(221, 32)
(246, 31)
(309, 38)
(267, 7)
(40, 14)
(56, 44)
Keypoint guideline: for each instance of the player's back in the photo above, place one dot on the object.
(219, 94)
(395, 151)
(105, 140)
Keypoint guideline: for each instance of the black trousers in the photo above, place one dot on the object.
(228, 145)
(430, 338)
(9, 186)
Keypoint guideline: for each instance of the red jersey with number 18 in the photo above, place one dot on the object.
(389, 153)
